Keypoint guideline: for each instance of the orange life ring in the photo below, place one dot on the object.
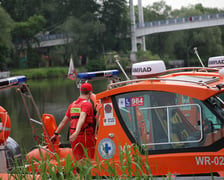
(5, 125)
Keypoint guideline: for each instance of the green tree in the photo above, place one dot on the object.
(207, 40)
(114, 14)
(180, 44)
(58, 12)
(6, 24)
(21, 10)
(98, 27)
(158, 11)
(85, 35)
(24, 36)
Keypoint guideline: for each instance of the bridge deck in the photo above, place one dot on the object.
(175, 24)
(148, 28)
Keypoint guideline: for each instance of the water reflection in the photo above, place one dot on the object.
(52, 96)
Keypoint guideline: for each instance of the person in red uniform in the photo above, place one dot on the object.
(82, 125)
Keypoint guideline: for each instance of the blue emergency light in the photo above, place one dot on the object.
(97, 74)
(12, 80)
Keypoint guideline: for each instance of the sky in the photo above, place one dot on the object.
(177, 4)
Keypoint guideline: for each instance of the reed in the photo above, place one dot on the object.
(130, 164)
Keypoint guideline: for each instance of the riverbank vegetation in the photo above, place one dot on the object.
(44, 72)
(103, 63)
(40, 73)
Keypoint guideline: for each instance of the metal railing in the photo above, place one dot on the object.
(199, 69)
(53, 37)
(182, 20)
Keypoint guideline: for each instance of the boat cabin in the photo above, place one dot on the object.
(166, 113)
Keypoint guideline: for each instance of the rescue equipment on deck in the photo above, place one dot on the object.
(49, 127)
(5, 125)
(9, 153)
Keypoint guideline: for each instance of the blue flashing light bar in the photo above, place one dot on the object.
(12, 80)
(21, 79)
(96, 74)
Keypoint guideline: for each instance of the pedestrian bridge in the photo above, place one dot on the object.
(52, 40)
(176, 24)
(148, 28)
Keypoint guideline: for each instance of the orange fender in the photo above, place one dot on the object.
(19, 176)
(42, 154)
(37, 156)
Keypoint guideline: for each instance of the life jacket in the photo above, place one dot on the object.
(88, 126)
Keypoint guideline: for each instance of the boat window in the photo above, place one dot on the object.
(162, 120)
(216, 103)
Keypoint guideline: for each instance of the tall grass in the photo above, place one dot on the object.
(129, 164)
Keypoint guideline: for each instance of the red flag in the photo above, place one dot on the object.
(71, 70)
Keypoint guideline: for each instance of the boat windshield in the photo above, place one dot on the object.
(159, 120)
(217, 102)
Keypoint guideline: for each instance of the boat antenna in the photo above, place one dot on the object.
(196, 52)
(117, 61)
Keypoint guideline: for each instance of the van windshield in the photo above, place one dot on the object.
(162, 120)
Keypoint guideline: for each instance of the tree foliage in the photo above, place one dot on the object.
(25, 31)
(114, 15)
(98, 27)
(6, 24)
(180, 44)
(21, 10)
(85, 36)
(158, 11)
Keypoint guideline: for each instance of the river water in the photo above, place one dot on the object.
(52, 96)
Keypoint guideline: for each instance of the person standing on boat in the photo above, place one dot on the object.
(82, 125)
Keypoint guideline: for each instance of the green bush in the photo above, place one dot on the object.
(96, 65)
(146, 56)
(123, 58)
(39, 73)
